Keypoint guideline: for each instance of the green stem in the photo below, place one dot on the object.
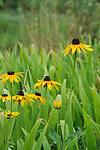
(66, 121)
(4, 107)
(18, 105)
(11, 98)
(45, 90)
(57, 127)
(75, 60)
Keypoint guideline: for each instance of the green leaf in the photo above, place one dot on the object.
(64, 100)
(7, 130)
(40, 140)
(96, 99)
(46, 145)
(90, 137)
(53, 136)
(31, 137)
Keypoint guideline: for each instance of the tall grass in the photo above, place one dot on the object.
(48, 23)
(36, 126)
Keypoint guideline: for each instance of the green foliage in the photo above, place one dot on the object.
(47, 23)
(79, 116)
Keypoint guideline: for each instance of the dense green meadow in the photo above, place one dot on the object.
(33, 35)
(79, 117)
(46, 23)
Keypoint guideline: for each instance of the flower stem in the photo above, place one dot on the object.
(57, 127)
(18, 105)
(46, 90)
(75, 60)
(11, 98)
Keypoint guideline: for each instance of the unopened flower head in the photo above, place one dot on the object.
(57, 104)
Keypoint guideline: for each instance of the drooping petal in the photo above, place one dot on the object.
(11, 79)
(4, 75)
(49, 86)
(39, 87)
(78, 49)
(22, 103)
(67, 50)
(37, 84)
(55, 86)
(19, 73)
(3, 99)
(16, 80)
(86, 47)
(83, 49)
(73, 50)
(42, 99)
(5, 79)
(17, 77)
(55, 82)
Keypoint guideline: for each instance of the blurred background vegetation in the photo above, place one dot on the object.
(47, 23)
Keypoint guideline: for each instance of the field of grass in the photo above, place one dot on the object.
(33, 35)
(76, 124)
(47, 23)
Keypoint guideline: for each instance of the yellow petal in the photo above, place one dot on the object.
(39, 87)
(49, 86)
(5, 79)
(55, 82)
(83, 50)
(3, 99)
(86, 47)
(73, 50)
(55, 86)
(22, 103)
(42, 99)
(8, 111)
(67, 50)
(4, 75)
(19, 73)
(78, 49)
(37, 84)
(11, 79)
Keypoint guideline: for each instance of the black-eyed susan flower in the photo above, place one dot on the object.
(12, 76)
(5, 97)
(21, 98)
(76, 45)
(37, 96)
(47, 82)
(57, 104)
(9, 114)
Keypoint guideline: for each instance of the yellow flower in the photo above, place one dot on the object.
(5, 97)
(9, 114)
(12, 76)
(37, 96)
(47, 82)
(76, 45)
(20, 97)
(57, 104)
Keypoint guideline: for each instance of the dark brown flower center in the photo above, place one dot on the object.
(4, 95)
(21, 93)
(47, 78)
(8, 115)
(75, 41)
(10, 72)
(38, 94)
